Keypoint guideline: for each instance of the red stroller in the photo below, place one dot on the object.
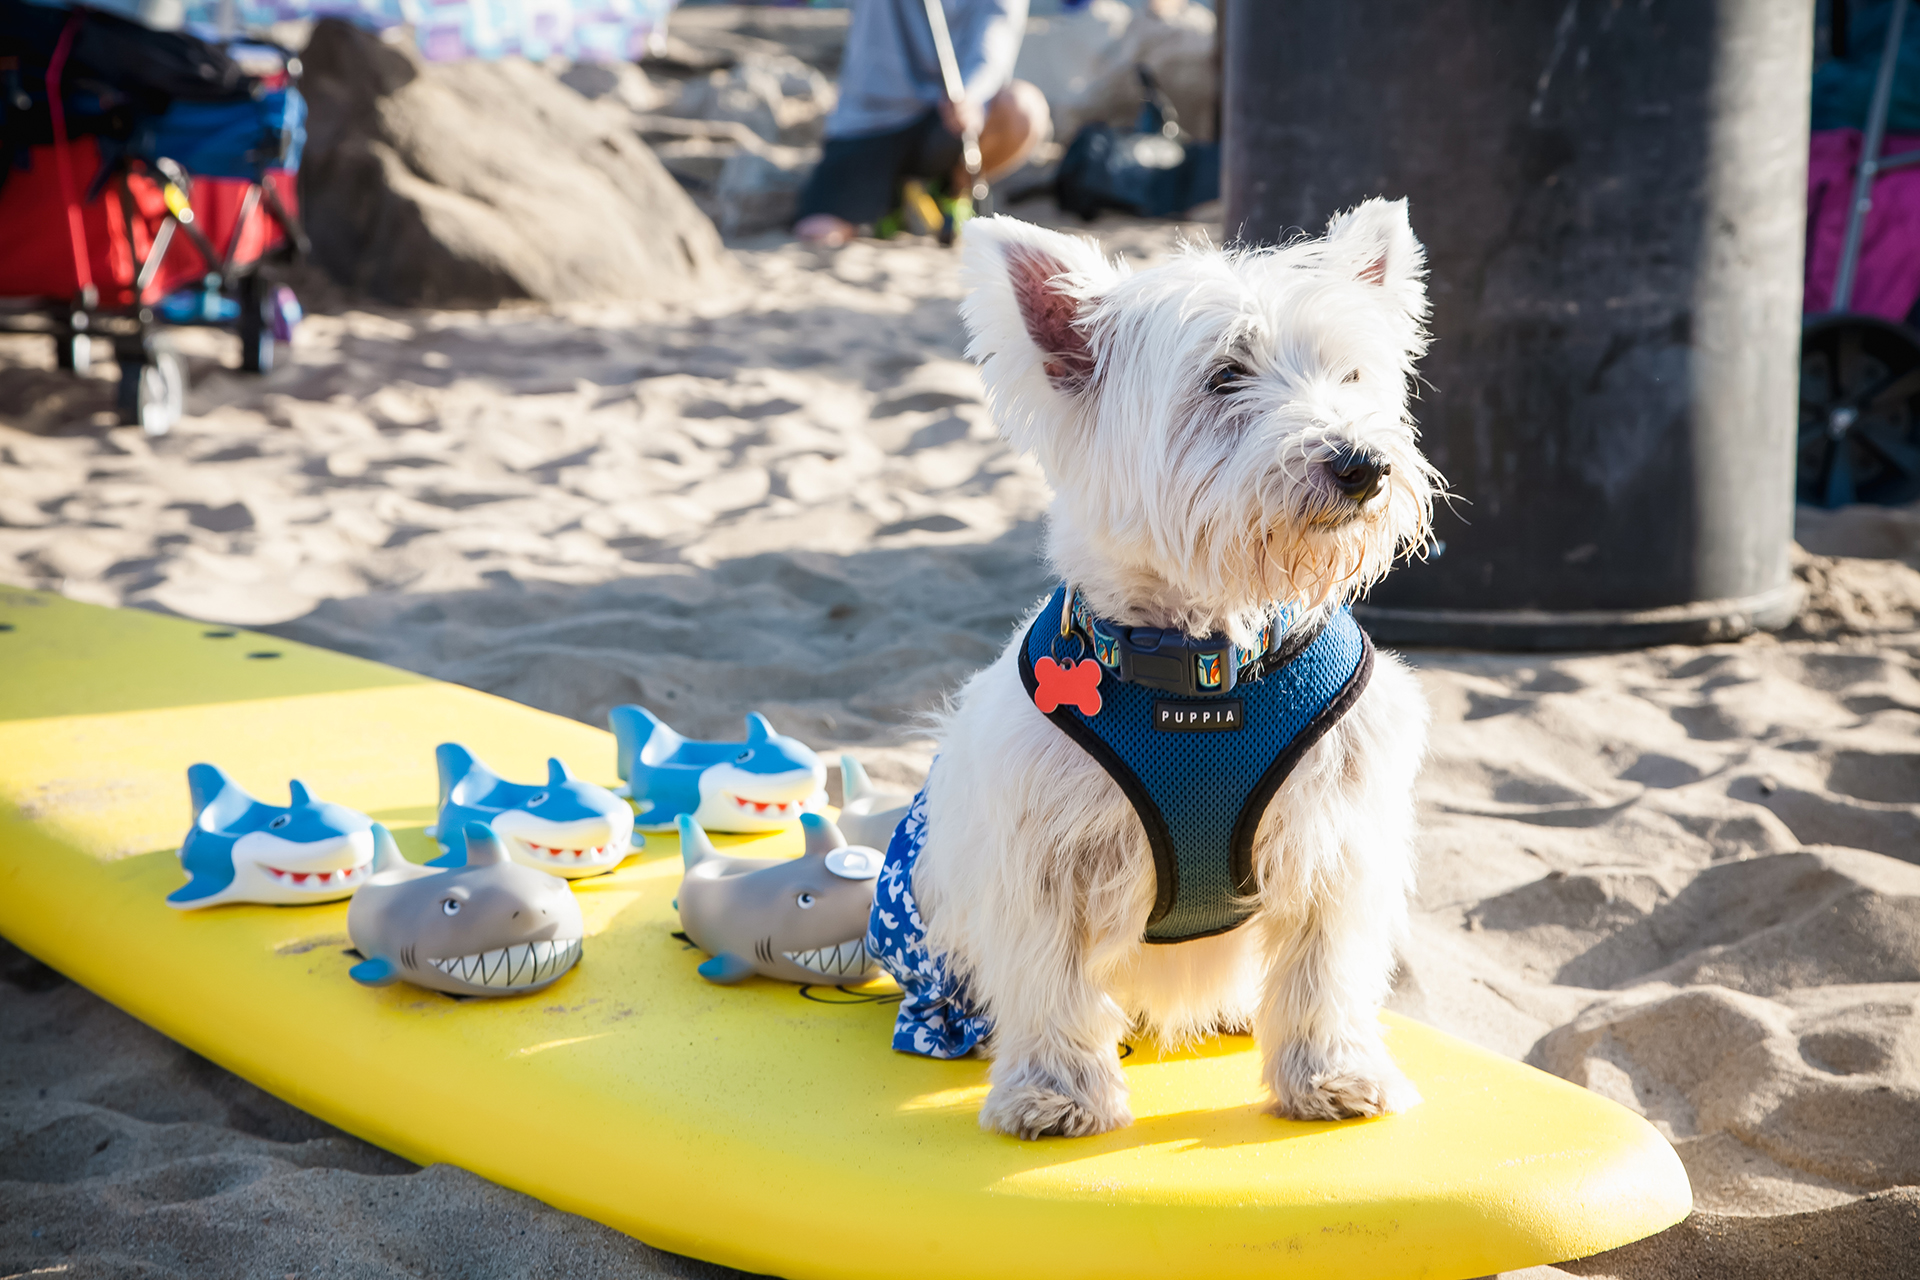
(145, 179)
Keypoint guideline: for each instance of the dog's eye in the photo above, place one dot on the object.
(1352, 377)
(1226, 380)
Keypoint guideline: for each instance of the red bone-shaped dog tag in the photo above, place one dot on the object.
(1075, 685)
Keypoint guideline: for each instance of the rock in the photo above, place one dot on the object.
(780, 98)
(757, 190)
(471, 183)
(730, 95)
(706, 36)
(749, 107)
(742, 139)
(618, 84)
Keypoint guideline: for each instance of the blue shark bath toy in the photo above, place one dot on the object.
(240, 849)
(762, 784)
(563, 826)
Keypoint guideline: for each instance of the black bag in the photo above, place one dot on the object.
(1150, 173)
(116, 72)
(110, 54)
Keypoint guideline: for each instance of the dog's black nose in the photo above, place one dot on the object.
(1358, 472)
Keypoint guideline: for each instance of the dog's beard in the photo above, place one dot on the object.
(1321, 564)
(1284, 538)
(1306, 544)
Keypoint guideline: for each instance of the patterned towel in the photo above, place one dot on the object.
(936, 1017)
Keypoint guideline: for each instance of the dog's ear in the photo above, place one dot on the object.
(1028, 290)
(1375, 241)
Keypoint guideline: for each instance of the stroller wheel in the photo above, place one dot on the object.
(256, 324)
(72, 352)
(153, 391)
(1859, 412)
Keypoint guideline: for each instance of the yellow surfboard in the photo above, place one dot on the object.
(763, 1126)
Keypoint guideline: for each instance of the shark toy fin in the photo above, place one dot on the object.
(386, 851)
(205, 782)
(854, 782)
(374, 973)
(822, 836)
(298, 791)
(557, 772)
(725, 969)
(462, 776)
(694, 846)
(639, 736)
(197, 890)
(218, 801)
(759, 729)
(484, 848)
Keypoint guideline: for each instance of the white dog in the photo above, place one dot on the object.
(1228, 439)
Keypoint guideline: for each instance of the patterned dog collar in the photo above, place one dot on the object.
(1169, 660)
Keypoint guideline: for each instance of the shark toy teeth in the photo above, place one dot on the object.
(564, 826)
(762, 784)
(802, 919)
(486, 927)
(242, 850)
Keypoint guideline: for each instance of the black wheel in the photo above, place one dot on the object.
(256, 324)
(1859, 412)
(153, 388)
(72, 352)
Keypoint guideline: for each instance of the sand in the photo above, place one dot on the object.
(124, 1155)
(1683, 877)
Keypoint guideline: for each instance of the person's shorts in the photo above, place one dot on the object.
(859, 178)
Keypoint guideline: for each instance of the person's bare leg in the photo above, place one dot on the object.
(824, 229)
(1018, 120)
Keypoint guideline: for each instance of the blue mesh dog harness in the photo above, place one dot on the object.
(1199, 734)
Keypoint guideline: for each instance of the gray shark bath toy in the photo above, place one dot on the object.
(869, 815)
(564, 825)
(489, 927)
(801, 919)
(240, 849)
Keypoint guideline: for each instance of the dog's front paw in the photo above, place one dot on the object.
(1041, 1109)
(1311, 1085)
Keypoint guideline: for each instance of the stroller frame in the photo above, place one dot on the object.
(153, 375)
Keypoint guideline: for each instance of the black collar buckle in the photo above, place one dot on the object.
(1166, 659)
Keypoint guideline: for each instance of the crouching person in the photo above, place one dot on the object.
(894, 136)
